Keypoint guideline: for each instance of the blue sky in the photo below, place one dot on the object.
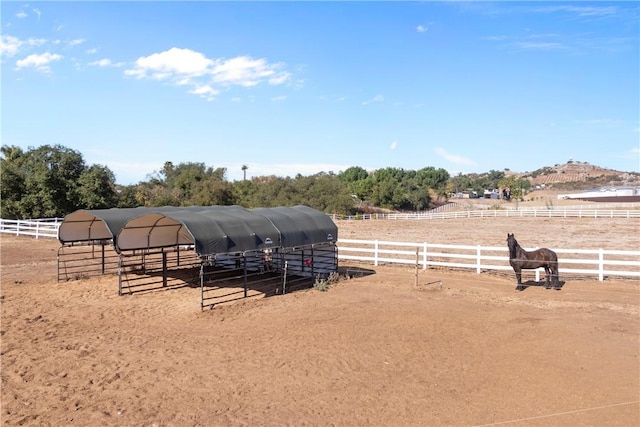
(304, 87)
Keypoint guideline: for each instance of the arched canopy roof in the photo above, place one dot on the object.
(95, 224)
(300, 225)
(212, 229)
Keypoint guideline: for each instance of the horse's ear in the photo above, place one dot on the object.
(509, 235)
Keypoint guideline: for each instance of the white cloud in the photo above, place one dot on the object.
(205, 91)
(540, 45)
(583, 11)
(105, 62)
(9, 45)
(37, 12)
(280, 78)
(21, 15)
(394, 145)
(377, 98)
(170, 63)
(421, 29)
(76, 42)
(279, 98)
(633, 153)
(186, 67)
(91, 51)
(36, 42)
(39, 62)
(453, 158)
(246, 71)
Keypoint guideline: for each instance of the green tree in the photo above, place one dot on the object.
(46, 180)
(127, 196)
(324, 192)
(387, 189)
(517, 186)
(12, 181)
(97, 189)
(186, 184)
(243, 193)
(211, 192)
(353, 174)
(52, 181)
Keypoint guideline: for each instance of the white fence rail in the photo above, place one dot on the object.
(587, 262)
(35, 227)
(500, 213)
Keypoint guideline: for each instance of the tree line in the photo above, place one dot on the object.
(54, 180)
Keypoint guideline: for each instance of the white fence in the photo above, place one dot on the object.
(598, 263)
(36, 227)
(587, 262)
(500, 213)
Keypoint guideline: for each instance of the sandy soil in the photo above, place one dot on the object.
(458, 349)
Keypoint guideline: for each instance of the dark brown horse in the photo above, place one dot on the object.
(521, 259)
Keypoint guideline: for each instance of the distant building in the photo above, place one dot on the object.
(606, 194)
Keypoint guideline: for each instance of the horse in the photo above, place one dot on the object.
(521, 259)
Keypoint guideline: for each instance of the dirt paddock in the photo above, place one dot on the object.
(458, 349)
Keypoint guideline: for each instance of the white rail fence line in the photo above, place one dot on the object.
(524, 206)
(36, 227)
(499, 213)
(598, 262)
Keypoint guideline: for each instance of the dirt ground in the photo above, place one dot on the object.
(458, 349)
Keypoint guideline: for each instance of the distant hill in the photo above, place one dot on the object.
(578, 175)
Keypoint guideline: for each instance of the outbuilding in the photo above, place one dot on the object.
(226, 243)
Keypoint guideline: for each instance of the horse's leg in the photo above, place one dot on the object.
(518, 278)
(547, 278)
(556, 277)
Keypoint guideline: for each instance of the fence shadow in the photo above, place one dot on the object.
(351, 272)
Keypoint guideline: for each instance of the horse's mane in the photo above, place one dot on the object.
(513, 247)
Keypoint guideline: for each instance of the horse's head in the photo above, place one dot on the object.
(511, 242)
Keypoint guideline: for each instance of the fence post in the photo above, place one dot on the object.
(478, 252)
(601, 266)
(37, 230)
(375, 253)
(17, 227)
(417, 265)
(424, 256)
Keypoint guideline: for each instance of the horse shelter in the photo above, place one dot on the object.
(221, 248)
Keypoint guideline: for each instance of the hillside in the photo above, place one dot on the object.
(575, 175)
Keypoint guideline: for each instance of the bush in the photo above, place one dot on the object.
(322, 283)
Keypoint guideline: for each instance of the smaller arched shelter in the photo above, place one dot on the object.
(86, 225)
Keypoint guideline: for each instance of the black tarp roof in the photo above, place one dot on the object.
(300, 225)
(212, 229)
